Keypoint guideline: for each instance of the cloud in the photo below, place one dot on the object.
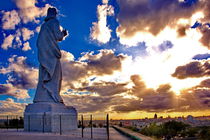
(79, 85)
(205, 36)
(205, 83)
(182, 30)
(193, 69)
(27, 34)
(10, 19)
(119, 97)
(105, 88)
(204, 28)
(149, 21)
(92, 103)
(14, 40)
(197, 97)
(9, 89)
(151, 16)
(21, 77)
(7, 43)
(100, 31)
(26, 46)
(27, 12)
(10, 107)
(163, 99)
(105, 62)
(76, 72)
(149, 99)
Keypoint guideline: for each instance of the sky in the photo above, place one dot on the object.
(129, 58)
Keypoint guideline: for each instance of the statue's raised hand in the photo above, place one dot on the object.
(65, 32)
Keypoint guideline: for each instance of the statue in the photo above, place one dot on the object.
(49, 55)
(48, 113)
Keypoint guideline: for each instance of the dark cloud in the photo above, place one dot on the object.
(91, 103)
(106, 88)
(182, 31)
(205, 39)
(161, 99)
(205, 83)
(154, 15)
(197, 97)
(203, 25)
(164, 100)
(204, 29)
(149, 103)
(103, 63)
(21, 77)
(193, 69)
(3, 89)
(136, 15)
(106, 62)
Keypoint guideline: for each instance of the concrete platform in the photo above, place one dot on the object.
(98, 134)
(49, 117)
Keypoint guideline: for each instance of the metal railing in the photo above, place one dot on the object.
(92, 122)
(88, 125)
(11, 122)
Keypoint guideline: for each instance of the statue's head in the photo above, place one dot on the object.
(51, 13)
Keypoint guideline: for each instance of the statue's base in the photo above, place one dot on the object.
(49, 117)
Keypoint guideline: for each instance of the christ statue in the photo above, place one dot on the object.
(50, 73)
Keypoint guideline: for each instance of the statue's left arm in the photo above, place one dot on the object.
(57, 31)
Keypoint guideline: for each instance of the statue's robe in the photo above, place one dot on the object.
(50, 74)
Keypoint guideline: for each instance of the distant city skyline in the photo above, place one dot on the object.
(128, 58)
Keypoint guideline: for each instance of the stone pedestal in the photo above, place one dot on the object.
(49, 117)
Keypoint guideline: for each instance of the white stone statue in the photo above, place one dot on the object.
(50, 74)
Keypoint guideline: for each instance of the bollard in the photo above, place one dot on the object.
(29, 123)
(17, 122)
(107, 126)
(60, 126)
(82, 125)
(7, 122)
(91, 126)
(43, 117)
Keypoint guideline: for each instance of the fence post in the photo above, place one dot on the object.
(91, 126)
(29, 123)
(7, 122)
(82, 125)
(17, 122)
(60, 126)
(107, 125)
(43, 117)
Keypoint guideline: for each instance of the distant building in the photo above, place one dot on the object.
(155, 116)
(190, 118)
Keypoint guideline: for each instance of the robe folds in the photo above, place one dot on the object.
(50, 72)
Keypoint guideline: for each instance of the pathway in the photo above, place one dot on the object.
(136, 134)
